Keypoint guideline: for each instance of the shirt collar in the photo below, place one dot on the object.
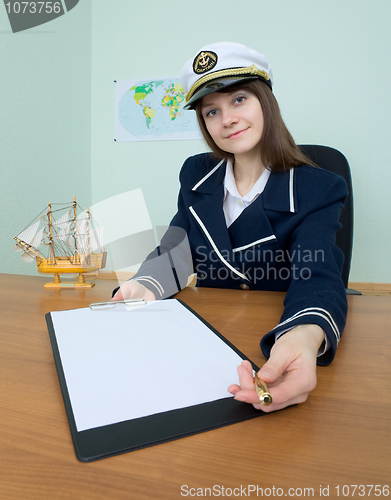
(230, 184)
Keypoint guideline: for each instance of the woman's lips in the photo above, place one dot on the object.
(234, 135)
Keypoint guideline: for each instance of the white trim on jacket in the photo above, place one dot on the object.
(291, 197)
(196, 186)
(262, 240)
(193, 212)
(314, 311)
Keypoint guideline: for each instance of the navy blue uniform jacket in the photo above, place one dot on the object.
(283, 241)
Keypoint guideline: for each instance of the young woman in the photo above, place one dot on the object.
(257, 215)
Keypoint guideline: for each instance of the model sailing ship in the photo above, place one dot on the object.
(72, 244)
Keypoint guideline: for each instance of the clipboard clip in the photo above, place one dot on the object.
(99, 306)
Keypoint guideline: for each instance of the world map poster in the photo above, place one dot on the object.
(152, 110)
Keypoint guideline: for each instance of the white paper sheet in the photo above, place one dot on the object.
(121, 365)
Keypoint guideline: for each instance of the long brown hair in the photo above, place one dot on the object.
(278, 149)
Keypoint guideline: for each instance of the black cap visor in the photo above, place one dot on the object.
(216, 85)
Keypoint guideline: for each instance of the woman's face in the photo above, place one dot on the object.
(234, 120)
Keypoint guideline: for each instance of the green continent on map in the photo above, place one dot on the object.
(149, 114)
(140, 93)
(173, 98)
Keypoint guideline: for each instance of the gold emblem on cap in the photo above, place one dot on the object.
(204, 61)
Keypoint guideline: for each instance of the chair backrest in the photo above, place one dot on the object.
(333, 160)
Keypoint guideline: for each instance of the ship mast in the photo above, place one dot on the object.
(77, 256)
(52, 257)
(88, 232)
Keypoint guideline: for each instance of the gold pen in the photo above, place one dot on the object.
(263, 392)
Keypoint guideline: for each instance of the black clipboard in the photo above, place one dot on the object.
(109, 440)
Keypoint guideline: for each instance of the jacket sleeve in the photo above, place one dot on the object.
(316, 294)
(166, 270)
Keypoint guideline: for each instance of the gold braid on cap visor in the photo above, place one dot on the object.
(251, 70)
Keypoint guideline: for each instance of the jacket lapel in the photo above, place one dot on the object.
(208, 211)
(252, 227)
(280, 192)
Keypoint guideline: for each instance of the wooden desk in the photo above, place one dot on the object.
(340, 436)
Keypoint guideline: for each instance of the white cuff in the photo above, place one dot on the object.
(326, 345)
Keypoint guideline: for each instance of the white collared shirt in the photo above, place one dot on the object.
(234, 204)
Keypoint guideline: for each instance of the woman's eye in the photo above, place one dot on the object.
(239, 99)
(212, 112)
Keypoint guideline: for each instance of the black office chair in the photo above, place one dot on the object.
(333, 160)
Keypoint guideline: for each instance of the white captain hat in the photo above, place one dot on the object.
(219, 65)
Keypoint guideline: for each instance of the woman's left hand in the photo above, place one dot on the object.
(290, 372)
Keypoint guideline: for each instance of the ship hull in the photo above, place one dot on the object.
(72, 265)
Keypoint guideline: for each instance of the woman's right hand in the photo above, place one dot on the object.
(133, 290)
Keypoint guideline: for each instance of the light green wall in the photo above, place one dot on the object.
(45, 122)
(330, 60)
(331, 64)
